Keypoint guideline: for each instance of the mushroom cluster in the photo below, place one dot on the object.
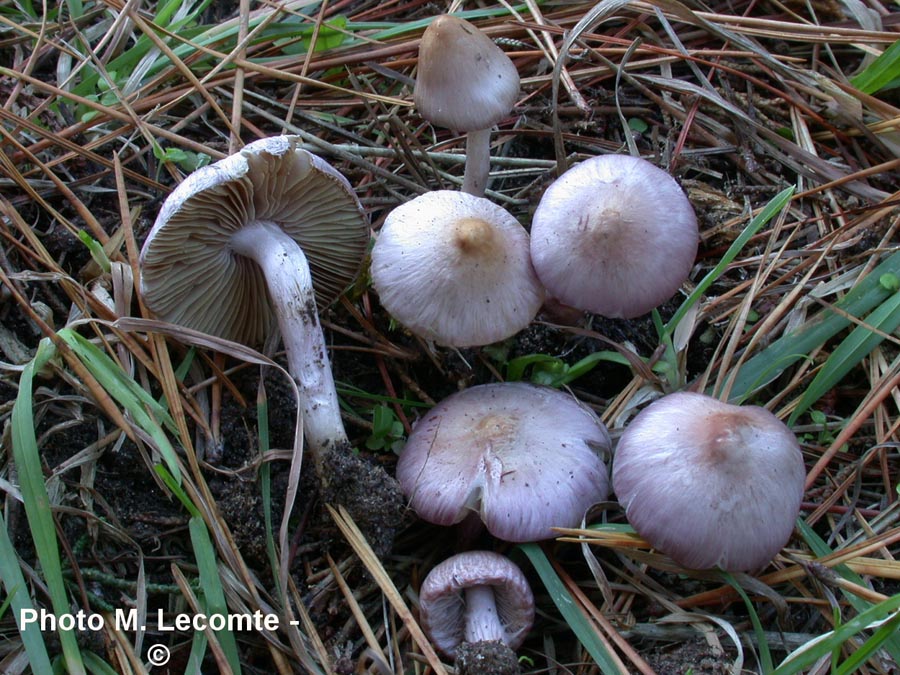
(615, 235)
(518, 460)
(268, 235)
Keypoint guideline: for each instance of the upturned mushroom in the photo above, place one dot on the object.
(614, 235)
(258, 238)
(465, 83)
(708, 483)
(477, 608)
(455, 269)
(523, 458)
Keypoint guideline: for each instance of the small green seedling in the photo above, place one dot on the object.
(387, 430)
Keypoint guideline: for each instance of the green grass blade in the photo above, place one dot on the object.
(859, 344)
(96, 250)
(265, 479)
(822, 646)
(19, 600)
(775, 205)
(76, 8)
(120, 386)
(211, 585)
(26, 7)
(870, 646)
(821, 550)
(165, 11)
(882, 73)
(199, 644)
(668, 363)
(397, 29)
(37, 502)
(553, 371)
(515, 368)
(128, 61)
(345, 389)
(176, 489)
(566, 605)
(765, 656)
(95, 665)
(210, 581)
(768, 364)
(127, 393)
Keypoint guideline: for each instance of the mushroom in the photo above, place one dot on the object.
(614, 235)
(455, 268)
(709, 483)
(465, 83)
(477, 607)
(524, 458)
(239, 244)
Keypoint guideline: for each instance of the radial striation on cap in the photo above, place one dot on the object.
(456, 269)
(709, 483)
(524, 458)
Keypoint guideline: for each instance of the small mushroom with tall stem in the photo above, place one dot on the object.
(261, 238)
(455, 269)
(708, 483)
(614, 235)
(465, 83)
(477, 607)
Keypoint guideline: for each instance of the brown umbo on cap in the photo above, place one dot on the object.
(456, 269)
(464, 81)
(524, 458)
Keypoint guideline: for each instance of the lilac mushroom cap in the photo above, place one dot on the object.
(524, 458)
(456, 269)
(614, 235)
(709, 483)
(474, 597)
(466, 83)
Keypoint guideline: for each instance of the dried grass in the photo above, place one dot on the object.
(739, 101)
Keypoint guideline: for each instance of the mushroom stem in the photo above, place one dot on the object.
(290, 286)
(482, 622)
(478, 162)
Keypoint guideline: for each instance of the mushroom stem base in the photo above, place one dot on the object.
(486, 658)
(371, 496)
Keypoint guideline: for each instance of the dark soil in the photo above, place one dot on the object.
(690, 658)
